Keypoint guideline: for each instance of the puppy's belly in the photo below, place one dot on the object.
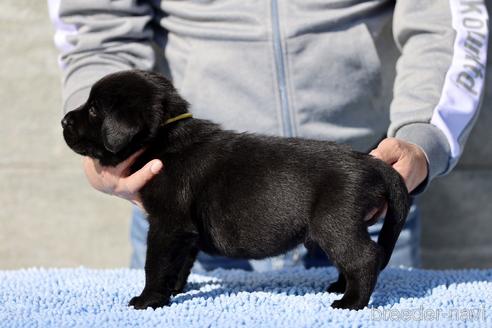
(254, 214)
(250, 243)
(249, 251)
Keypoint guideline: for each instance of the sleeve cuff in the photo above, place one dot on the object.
(435, 146)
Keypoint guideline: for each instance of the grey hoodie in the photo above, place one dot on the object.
(306, 68)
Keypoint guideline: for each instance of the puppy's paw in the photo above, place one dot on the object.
(336, 287)
(175, 292)
(347, 304)
(150, 299)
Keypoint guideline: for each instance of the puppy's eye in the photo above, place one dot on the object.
(92, 112)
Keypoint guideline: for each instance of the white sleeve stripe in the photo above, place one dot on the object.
(62, 30)
(464, 82)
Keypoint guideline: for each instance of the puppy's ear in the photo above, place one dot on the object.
(117, 134)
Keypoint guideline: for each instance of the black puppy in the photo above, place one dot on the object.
(238, 195)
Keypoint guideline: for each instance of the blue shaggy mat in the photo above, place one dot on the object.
(222, 298)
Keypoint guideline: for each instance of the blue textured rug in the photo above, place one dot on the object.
(289, 298)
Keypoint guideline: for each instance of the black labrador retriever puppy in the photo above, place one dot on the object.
(238, 194)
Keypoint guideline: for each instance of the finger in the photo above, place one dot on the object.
(383, 210)
(129, 161)
(138, 202)
(371, 214)
(386, 154)
(404, 167)
(91, 171)
(377, 213)
(137, 180)
(88, 164)
(388, 150)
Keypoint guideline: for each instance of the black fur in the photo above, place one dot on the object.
(238, 195)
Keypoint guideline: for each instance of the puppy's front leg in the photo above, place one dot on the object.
(169, 249)
(185, 272)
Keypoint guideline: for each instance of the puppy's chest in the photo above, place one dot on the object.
(165, 193)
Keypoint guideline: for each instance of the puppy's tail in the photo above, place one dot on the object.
(398, 208)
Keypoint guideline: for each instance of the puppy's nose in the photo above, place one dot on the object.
(66, 121)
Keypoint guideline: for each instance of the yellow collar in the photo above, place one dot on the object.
(177, 118)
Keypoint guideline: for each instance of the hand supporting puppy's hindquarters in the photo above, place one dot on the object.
(406, 158)
(117, 181)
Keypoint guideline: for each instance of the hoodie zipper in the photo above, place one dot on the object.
(287, 125)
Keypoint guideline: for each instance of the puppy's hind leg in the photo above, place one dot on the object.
(356, 256)
(338, 286)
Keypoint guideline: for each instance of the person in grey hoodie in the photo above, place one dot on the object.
(320, 69)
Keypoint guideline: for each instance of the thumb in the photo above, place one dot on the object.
(138, 179)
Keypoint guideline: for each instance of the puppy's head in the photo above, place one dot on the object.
(122, 114)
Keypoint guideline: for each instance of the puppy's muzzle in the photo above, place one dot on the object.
(67, 121)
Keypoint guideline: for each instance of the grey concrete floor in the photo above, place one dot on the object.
(51, 217)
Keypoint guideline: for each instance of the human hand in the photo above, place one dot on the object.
(117, 181)
(407, 159)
